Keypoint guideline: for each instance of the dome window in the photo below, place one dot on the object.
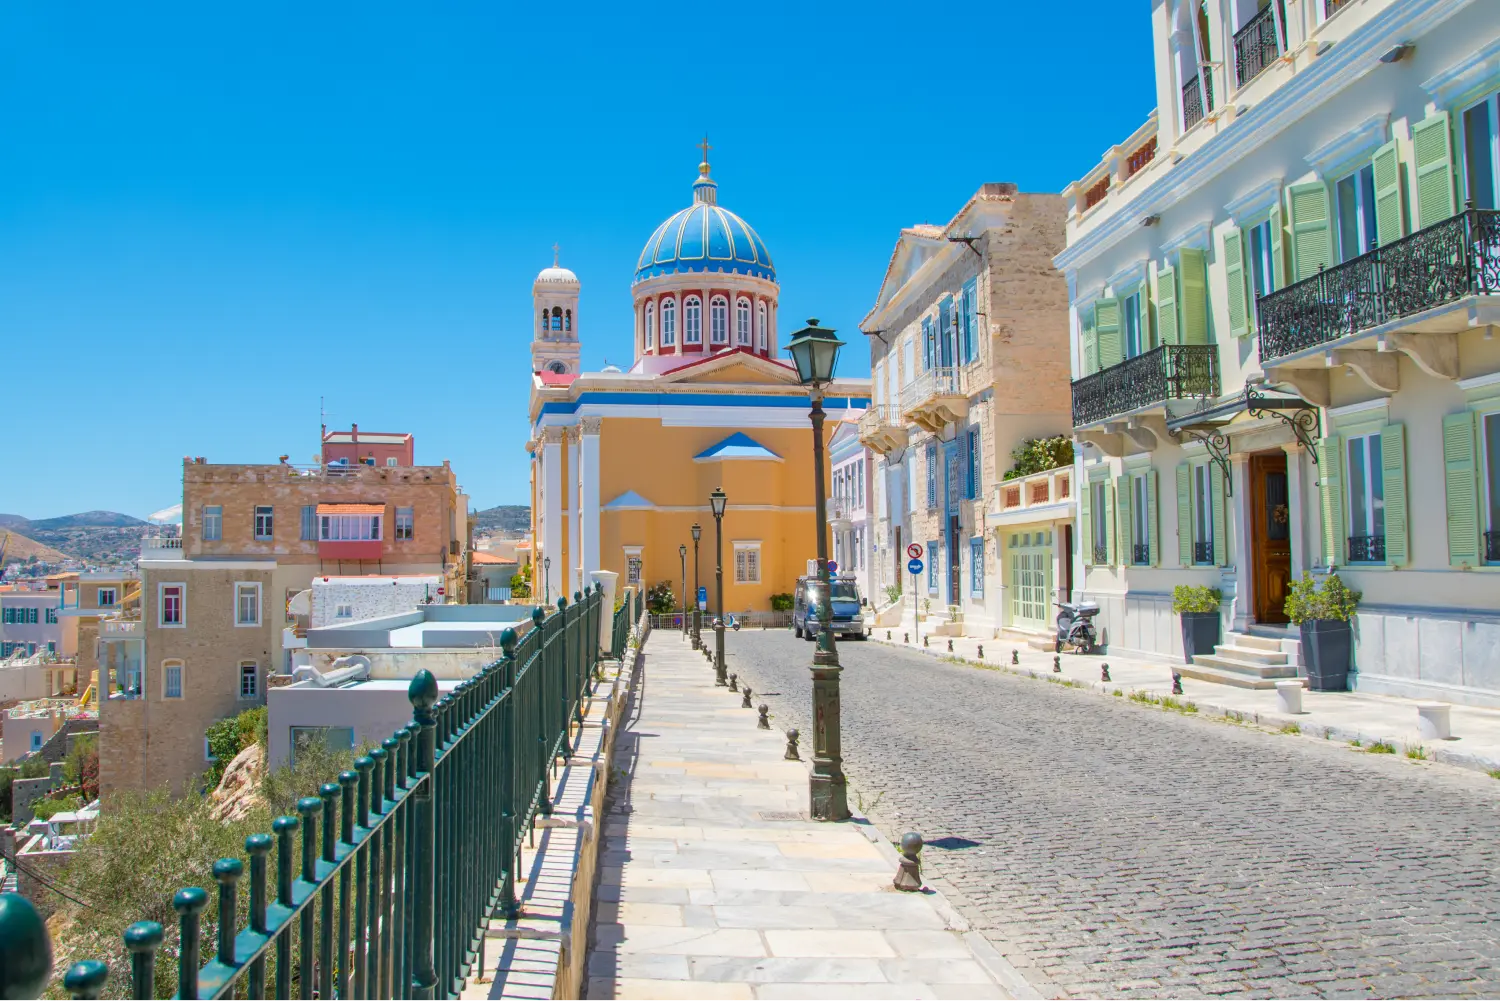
(650, 325)
(742, 323)
(718, 320)
(692, 320)
(760, 327)
(668, 323)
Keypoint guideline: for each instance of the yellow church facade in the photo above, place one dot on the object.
(623, 462)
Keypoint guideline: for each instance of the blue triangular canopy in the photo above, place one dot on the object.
(628, 499)
(737, 446)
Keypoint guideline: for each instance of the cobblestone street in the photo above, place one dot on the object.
(1114, 849)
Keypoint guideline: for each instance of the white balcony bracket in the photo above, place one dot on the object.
(1381, 371)
(1110, 444)
(1309, 383)
(1145, 436)
(1435, 354)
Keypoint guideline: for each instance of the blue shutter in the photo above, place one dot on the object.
(932, 492)
(971, 298)
(927, 342)
(945, 331)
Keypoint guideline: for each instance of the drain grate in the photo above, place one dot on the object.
(781, 815)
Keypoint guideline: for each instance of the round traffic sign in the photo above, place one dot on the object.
(833, 567)
(914, 567)
(914, 550)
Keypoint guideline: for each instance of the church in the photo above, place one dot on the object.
(623, 461)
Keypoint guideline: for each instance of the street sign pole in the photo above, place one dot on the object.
(916, 621)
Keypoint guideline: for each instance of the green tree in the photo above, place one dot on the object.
(1037, 455)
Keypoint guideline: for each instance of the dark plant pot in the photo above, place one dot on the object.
(1328, 654)
(1200, 634)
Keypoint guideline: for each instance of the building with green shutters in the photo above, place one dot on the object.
(1284, 289)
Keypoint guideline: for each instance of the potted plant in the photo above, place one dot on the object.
(1198, 607)
(1324, 614)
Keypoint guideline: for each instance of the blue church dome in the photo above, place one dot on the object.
(704, 238)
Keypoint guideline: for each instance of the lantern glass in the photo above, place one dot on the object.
(682, 550)
(717, 500)
(697, 531)
(815, 352)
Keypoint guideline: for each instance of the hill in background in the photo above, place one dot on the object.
(514, 519)
(92, 536)
(20, 549)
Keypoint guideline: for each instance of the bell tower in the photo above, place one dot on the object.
(554, 317)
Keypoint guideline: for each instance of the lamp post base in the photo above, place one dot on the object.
(828, 790)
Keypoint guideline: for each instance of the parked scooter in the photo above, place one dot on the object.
(1075, 626)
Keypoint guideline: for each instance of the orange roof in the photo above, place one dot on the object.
(487, 558)
(351, 509)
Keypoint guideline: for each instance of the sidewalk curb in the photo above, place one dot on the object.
(1435, 752)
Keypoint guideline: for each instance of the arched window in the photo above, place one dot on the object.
(544, 318)
(568, 320)
(558, 368)
(718, 320)
(692, 320)
(760, 327)
(668, 323)
(556, 317)
(742, 323)
(650, 325)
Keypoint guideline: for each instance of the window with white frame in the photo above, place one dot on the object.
(107, 597)
(171, 679)
(1203, 515)
(634, 566)
(405, 524)
(390, 460)
(718, 320)
(171, 600)
(247, 604)
(213, 522)
(650, 324)
(1366, 487)
(308, 529)
(1354, 205)
(742, 323)
(349, 528)
(1099, 515)
(249, 679)
(1262, 274)
(1489, 478)
(692, 320)
(760, 327)
(343, 611)
(1140, 520)
(668, 323)
(1481, 124)
(747, 562)
(264, 522)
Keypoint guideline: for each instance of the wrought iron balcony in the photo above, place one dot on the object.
(1367, 549)
(1196, 101)
(881, 429)
(1140, 553)
(935, 398)
(1101, 554)
(1203, 552)
(1492, 547)
(1442, 263)
(1256, 45)
(1170, 372)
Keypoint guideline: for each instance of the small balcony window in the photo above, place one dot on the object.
(264, 522)
(1366, 500)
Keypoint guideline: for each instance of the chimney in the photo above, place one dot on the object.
(354, 433)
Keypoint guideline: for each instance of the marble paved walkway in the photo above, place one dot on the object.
(713, 884)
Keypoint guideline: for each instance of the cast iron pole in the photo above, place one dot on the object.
(827, 786)
(720, 677)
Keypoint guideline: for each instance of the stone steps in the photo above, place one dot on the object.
(1230, 676)
(1243, 661)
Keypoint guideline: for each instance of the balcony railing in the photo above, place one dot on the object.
(1140, 553)
(1101, 554)
(1367, 549)
(1492, 547)
(1170, 372)
(1196, 101)
(931, 383)
(1442, 263)
(1256, 45)
(1203, 552)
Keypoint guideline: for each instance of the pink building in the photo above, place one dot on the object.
(371, 448)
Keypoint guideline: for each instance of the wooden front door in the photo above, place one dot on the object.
(1270, 535)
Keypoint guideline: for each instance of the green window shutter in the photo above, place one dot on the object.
(1109, 523)
(1090, 344)
(1221, 523)
(1153, 524)
(1390, 221)
(1459, 472)
(1123, 531)
(1393, 471)
(1331, 489)
(1234, 275)
(1085, 505)
(1432, 146)
(1166, 305)
(1143, 298)
(1184, 514)
(1312, 247)
(1278, 248)
(1192, 304)
(1107, 332)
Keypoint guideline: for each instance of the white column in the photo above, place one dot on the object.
(552, 518)
(611, 582)
(571, 488)
(589, 517)
(1238, 512)
(1296, 509)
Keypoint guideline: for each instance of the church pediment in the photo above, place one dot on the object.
(734, 368)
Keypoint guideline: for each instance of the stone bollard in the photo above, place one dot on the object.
(745, 702)
(1289, 696)
(764, 723)
(906, 637)
(887, 634)
(1432, 721)
(1056, 664)
(1176, 683)
(734, 683)
(981, 651)
(909, 871)
(924, 642)
(791, 746)
(1015, 656)
(1103, 672)
(950, 644)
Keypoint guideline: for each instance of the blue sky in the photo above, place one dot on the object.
(209, 218)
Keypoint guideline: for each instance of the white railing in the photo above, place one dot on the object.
(1054, 486)
(932, 383)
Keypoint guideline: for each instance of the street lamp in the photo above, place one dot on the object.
(547, 578)
(815, 352)
(682, 554)
(697, 615)
(717, 500)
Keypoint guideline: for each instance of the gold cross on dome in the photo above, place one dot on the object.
(705, 147)
(555, 249)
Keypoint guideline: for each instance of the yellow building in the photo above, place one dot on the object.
(623, 461)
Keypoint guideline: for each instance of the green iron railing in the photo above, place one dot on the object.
(404, 860)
